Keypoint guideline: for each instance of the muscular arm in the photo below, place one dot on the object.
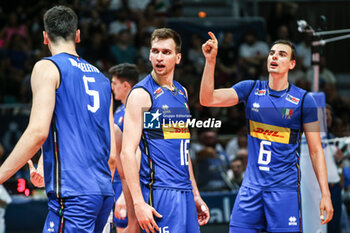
(44, 81)
(223, 97)
(312, 133)
(138, 101)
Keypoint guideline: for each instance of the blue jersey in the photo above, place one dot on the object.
(119, 121)
(77, 149)
(164, 148)
(274, 121)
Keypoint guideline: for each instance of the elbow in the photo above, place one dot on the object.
(39, 135)
(204, 101)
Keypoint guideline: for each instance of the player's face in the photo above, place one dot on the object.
(279, 59)
(164, 57)
(118, 88)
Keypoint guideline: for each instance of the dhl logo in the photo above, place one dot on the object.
(171, 131)
(269, 132)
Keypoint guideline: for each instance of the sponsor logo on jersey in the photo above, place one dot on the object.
(158, 92)
(181, 93)
(176, 130)
(166, 109)
(51, 228)
(255, 107)
(292, 99)
(269, 132)
(287, 113)
(292, 221)
(260, 92)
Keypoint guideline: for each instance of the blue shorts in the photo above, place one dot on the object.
(120, 223)
(81, 214)
(177, 208)
(274, 211)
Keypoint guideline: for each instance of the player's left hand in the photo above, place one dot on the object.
(202, 211)
(326, 205)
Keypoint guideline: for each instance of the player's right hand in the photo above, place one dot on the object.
(120, 207)
(210, 48)
(36, 175)
(144, 214)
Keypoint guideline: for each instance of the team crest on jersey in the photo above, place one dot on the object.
(120, 120)
(260, 92)
(255, 107)
(292, 99)
(158, 92)
(287, 113)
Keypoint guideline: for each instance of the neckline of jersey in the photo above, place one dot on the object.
(275, 94)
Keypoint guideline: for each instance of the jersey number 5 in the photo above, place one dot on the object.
(264, 156)
(92, 93)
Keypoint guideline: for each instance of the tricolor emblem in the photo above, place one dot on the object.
(120, 120)
(292, 99)
(287, 113)
(186, 106)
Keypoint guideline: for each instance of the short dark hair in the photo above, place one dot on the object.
(290, 44)
(167, 33)
(126, 72)
(61, 22)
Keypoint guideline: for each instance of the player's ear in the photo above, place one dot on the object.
(292, 64)
(46, 37)
(178, 58)
(77, 36)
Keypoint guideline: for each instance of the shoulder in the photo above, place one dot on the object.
(46, 68)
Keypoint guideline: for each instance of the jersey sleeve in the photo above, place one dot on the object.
(309, 109)
(243, 89)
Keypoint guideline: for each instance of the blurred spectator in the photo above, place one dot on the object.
(122, 22)
(282, 13)
(195, 55)
(326, 76)
(123, 50)
(149, 20)
(13, 27)
(228, 56)
(252, 53)
(304, 50)
(211, 164)
(297, 73)
(236, 172)
(237, 143)
(145, 46)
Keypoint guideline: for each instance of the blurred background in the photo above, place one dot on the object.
(117, 31)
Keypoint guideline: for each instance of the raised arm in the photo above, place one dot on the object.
(138, 102)
(312, 134)
(222, 97)
(44, 81)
